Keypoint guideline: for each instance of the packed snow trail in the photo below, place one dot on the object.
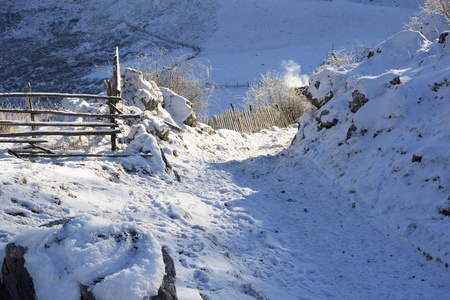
(251, 222)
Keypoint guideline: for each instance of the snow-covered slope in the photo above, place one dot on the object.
(253, 37)
(57, 46)
(381, 130)
(63, 46)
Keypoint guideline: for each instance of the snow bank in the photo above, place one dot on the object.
(380, 129)
(115, 261)
(179, 108)
(162, 111)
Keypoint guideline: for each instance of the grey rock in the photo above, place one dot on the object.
(17, 283)
(326, 125)
(358, 101)
(350, 132)
(416, 158)
(85, 293)
(191, 121)
(167, 291)
(443, 36)
(395, 81)
(319, 102)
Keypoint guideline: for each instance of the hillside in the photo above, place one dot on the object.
(380, 128)
(68, 46)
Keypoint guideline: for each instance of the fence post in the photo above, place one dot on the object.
(116, 91)
(30, 104)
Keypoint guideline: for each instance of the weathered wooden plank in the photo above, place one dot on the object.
(56, 124)
(117, 86)
(62, 155)
(114, 109)
(13, 153)
(69, 114)
(58, 95)
(30, 104)
(229, 120)
(22, 141)
(248, 120)
(173, 126)
(40, 148)
(61, 133)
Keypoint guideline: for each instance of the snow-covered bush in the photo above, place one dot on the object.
(430, 8)
(441, 7)
(187, 76)
(344, 57)
(271, 90)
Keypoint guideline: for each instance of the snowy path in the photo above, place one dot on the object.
(293, 234)
(336, 252)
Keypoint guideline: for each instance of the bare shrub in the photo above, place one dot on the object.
(19, 103)
(344, 57)
(441, 7)
(430, 7)
(187, 76)
(271, 90)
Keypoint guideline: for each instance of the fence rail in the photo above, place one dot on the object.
(85, 128)
(250, 120)
(30, 136)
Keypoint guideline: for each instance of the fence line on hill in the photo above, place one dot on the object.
(250, 120)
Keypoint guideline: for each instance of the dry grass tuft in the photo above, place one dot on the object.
(187, 76)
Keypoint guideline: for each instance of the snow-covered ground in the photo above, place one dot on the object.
(356, 207)
(248, 220)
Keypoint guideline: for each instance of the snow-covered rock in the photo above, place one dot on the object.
(146, 144)
(384, 135)
(140, 92)
(109, 261)
(179, 108)
(433, 26)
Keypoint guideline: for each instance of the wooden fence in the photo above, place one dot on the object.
(98, 127)
(85, 128)
(251, 120)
